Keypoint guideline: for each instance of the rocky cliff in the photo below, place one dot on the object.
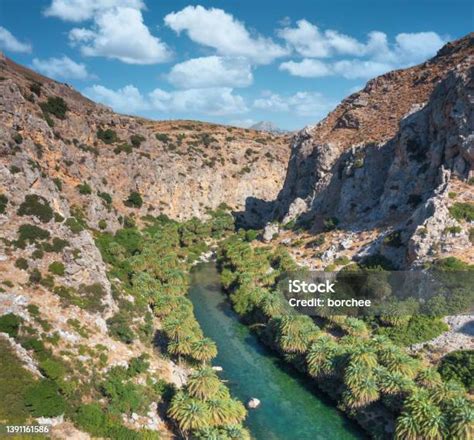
(394, 157)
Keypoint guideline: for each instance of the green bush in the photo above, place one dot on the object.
(136, 140)
(3, 203)
(106, 197)
(31, 234)
(138, 365)
(57, 245)
(107, 136)
(14, 382)
(163, 137)
(134, 200)
(21, 263)
(330, 223)
(420, 328)
(35, 276)
(84, 188)
(102, 224)
(43, 399)
(459, 366)
(119, 327)
(55, 106)
(74, 225)
(37, 206)
(10, 323)
(52, 369)
(57, 268)
(462, 211)
(91, 418)
(393, 239)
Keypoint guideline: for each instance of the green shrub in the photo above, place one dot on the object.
(134, 200)
(102, 224)
(91, 418)
(452, 195)
(84, 188)
(136, 140)
(57, 268)
(74, 225)
(330, 223)
(119, 327)
(126, 148)
(420, 328)
(52, 369)
(462, 211)
(55, 106)
(106, 197)
(35, 276)
(36, 206)
(107, 136)
(58, 182)
(138, 365)
(459, 366)
(21, 263)
(10, 323)
(394, 239)
(37, 254)
(3, 203)
(31, 234)
(14, 382)
(57, 246)
(453, 230)
(163, 137)
(43, 399)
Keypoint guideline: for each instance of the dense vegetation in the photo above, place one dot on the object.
(373, 379)
(152, 266)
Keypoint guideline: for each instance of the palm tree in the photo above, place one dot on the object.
(175, 328)
(320, 357)
(271, 305)
(355, 374)
(226, 411)
(365, 355)
(446, 390)
(461, 419)
(189, 413)
(182, 346)
(203, 383)
(237, 432)
(429, 378)
(204, 350)
(296, 332)
(422, 418)
(365, 392)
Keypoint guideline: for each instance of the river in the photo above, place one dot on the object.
(290, 409)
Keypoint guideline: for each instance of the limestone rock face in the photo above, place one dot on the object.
(388, 156)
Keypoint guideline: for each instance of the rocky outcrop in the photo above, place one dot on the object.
(395, 176)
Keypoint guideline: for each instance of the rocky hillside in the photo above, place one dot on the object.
(180, 168)
(393, 161)
(70, 168)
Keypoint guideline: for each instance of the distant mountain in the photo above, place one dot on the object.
(267, 126)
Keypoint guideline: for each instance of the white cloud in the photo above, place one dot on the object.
(307, 68)
(212, 71)
(369, 59)
(301, 103)
(125, 100)
(210, 101)
(64, 68)
(217, 29)
(80, 10)
(120, 33)
(309, 41)
(9, 42)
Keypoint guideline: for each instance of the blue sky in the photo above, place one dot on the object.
(226, 61)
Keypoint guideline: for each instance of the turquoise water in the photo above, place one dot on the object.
(290, 409)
